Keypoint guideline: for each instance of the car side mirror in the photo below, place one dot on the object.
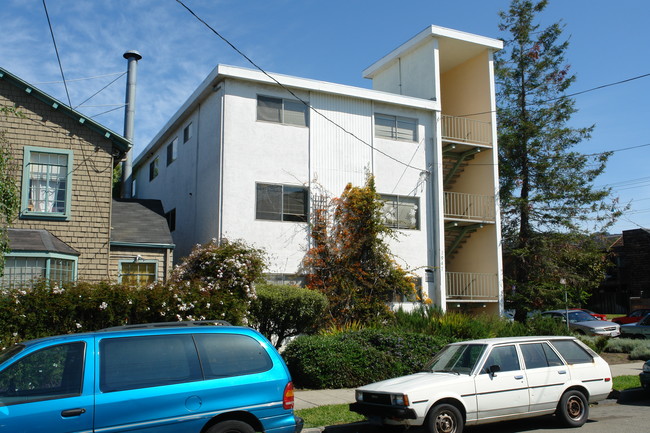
(493, 369)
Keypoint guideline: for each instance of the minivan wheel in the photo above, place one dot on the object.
(445, 418)
(231, 426)
(573, 409)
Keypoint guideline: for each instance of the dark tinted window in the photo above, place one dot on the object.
(503, 356)
(141, 362)
(53, 372)
(572, 352)
(539, 355)
(224, 355)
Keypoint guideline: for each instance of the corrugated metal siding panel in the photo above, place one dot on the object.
(337, 157)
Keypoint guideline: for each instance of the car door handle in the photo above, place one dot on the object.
(73, 412)
(519, 377)
(561, 372)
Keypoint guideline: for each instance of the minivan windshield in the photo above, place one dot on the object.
(10, 351)
(457, 359)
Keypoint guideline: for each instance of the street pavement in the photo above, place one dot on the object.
(305, 399)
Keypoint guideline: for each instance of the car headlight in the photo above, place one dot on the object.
(646, 367)
(399, 400)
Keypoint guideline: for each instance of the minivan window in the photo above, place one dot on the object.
(49, 373)
(572, 352)
(146, 361)
(10, 351)
(224, 355)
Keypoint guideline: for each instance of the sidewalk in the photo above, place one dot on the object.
(309, 399)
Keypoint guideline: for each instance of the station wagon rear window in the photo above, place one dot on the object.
(572, 352)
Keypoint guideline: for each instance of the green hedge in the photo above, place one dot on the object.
(282, 311)
(348, 360)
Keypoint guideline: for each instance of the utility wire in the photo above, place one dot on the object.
(292, 93)
(100, 90)
(58, 58)
(80, 79)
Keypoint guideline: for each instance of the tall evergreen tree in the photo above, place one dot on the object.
(546, 186)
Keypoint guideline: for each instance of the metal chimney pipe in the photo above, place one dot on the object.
(129, 115)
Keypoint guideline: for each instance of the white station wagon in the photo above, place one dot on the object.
(484, 381)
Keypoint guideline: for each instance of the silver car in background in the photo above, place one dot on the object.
(584, 323)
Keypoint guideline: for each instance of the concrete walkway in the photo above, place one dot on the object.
(308, 399)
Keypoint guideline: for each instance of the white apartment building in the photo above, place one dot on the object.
(247, 156)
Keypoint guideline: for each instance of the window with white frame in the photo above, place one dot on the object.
(396, 127)
(47, 181)
(401, 212)
(279, 110)
(138, 272)
(153, 169)
(281, 202)
(27, 270)
(172, 149)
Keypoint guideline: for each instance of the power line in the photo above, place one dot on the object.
(100, 90)
(292, 93)
(80, 79)
(58, 58)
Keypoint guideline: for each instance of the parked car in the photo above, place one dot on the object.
(632, 317)
(645, 376)
(640, 329)
(586, 324)
(179, 377)
(598, 316)
(483, 381)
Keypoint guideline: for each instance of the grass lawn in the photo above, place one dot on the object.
(328, 415)
(621, 383)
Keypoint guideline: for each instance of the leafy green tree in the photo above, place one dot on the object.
(9, 191)
(545, 185)
(350, 262)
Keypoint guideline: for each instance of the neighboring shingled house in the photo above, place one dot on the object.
(141, 244)
(63, 163)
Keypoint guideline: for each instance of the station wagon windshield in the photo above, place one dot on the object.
(458, 359)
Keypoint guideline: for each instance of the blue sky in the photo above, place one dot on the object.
(330, 40)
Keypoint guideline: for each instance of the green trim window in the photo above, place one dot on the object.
(401, 212)
(47, 183)
(279, 110)
(27, 269)
(281, 202)
(138, 273)
(396, 127)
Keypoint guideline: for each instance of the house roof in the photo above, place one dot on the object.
(222, 72)
(138, 222)
(119, 142)
(30, 240)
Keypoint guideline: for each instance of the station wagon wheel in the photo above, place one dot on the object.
(231, 426)
(445, 418)
(573, 409)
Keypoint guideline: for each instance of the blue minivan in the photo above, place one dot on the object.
(160, 378)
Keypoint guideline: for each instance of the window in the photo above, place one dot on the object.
(47, 374)
(572, 352)
(25, 271)
(187, 133)
(226, 355)
(289, 279)
(503, 356)
(281, 202)
(171, 219)
(172, 148)
(153, 169)
(280, 110)
(395, 127)
(47, 182)
(401, 212)
(539, 355)
(142, 362)
(137, 273)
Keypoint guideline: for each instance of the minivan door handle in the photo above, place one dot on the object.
(73, 412)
